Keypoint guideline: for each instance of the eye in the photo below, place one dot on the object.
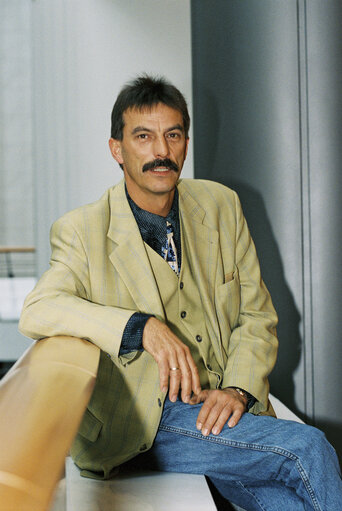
(174, 135)
(142, 136)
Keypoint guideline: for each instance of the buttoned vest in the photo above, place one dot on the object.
(184, 314)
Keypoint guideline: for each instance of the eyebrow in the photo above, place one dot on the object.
(137, 129)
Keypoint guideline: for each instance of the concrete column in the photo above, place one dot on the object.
(267, 103)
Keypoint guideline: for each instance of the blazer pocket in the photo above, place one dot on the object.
(227, 300)
(90, 426)
(228, 277)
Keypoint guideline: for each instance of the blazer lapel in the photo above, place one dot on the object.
(129, 256)
(202, 245)
(201, 240)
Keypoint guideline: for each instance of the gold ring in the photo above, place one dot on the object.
(174, 368)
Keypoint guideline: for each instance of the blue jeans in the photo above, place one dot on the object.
(261, 464)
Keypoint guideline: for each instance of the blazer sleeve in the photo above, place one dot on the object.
(60, 304)
(253, 344)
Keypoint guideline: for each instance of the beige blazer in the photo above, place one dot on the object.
(100, 275)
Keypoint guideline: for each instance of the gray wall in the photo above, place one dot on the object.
(267, 122)
(83, 52)
(16, 159)
(62, 64)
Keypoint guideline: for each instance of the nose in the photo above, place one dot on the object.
(161, 148)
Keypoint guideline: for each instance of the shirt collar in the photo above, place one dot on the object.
(146, 218)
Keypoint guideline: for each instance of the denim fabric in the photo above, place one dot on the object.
(261, 464)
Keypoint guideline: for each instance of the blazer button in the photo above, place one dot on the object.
(143, 447)
(198, 338)
(183, 314)
(181, 285)
(159, 402)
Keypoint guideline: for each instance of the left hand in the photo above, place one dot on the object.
(218, 407)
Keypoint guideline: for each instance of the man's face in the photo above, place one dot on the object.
(152, 152)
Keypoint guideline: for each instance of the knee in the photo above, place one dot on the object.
(312, 442)
(313, 436)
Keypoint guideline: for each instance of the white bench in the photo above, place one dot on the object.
(144, 491)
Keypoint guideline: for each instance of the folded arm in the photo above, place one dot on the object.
(60, 304)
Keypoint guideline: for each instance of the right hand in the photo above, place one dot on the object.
(168, 351)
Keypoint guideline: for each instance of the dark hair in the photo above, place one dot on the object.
(147, 91)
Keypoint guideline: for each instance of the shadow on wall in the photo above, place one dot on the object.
(290, 342)
(210, 164)
(247, 105)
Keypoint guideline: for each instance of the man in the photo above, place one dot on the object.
(162, 275)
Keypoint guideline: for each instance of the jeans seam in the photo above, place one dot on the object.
(233, 443)
(252, 494)
(307, 485)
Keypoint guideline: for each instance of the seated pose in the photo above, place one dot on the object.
(162, 275)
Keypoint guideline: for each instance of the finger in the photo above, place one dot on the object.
(214, 415)
(195, 399)
(209, 402)
(198, 398)
(195, 379)
(186, 381)
(189, 373)
(221, 420)
(164, 371)
(238, 413)
(175, 379)
(184, 360)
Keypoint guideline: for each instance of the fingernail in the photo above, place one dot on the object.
(215, 431)
(231, 424)
(199, 426)
(205, 432)
(186, 399)
(164, 389)
(173, 398)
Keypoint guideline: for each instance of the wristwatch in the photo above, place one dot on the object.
(250, 399)
(240, 391)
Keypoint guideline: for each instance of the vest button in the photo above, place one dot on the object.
(181, 285)
(183, 314)
(198, 338)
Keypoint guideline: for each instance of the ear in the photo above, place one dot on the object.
(186, 147)
(115, 149)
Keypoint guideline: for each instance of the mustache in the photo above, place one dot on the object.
(161, 163)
